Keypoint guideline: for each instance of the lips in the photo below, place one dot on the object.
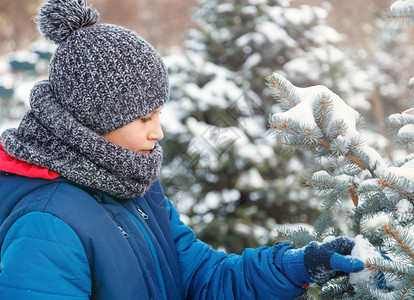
(146, 151)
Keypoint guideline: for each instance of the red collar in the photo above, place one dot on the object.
(15, 166)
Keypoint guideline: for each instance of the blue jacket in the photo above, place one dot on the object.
(60, 241)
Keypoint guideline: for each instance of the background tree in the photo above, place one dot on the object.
(224, 173)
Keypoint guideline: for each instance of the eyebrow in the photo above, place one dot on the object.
(151, 113)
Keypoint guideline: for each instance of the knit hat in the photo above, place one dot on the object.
(105, 75)
(101, 77)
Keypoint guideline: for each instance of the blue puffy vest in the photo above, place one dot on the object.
(126, 243)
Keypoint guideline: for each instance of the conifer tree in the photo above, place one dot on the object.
(232, 180)
(381, 192)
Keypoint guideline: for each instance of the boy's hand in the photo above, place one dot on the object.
(320, 262)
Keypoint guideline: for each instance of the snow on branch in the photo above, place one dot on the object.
(401, 126)
(401, 12)
(320, 121)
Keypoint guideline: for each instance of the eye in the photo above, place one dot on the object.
(145, 119)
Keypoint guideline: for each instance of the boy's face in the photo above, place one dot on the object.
(139, 135)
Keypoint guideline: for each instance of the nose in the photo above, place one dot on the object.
(156, 133)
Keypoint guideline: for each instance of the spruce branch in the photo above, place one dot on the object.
(393, 269)
(283, 126)
(358, 161)
(322, 225)
(339, 147)
(373, 201)
(321, 181)
(338, 128)
(337, 289)
(342, 165)
(283, 91)
(402, 238)
(407, 290)
(299, 237)
(333, 200)
(322, 110)
(399, 184)
(406, 160)
(405, 138)
(370, 292)
(397, 121)
(357, 220)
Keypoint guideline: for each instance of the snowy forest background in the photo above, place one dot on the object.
(230, 180)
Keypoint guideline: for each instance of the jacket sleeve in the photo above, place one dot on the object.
(211, 274)
(42, 258)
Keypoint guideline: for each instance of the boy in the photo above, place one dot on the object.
(82, 213)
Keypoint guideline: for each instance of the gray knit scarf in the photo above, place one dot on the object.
(49, 136)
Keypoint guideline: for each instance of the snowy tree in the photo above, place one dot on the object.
(381, 191)
(388, 68)
(232, 181)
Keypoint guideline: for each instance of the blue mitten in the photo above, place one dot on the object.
(320, 262)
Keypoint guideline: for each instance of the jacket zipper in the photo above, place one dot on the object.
(142, 213)
(151, 246)
(126, 235)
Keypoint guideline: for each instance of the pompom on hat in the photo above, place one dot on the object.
(105, 75)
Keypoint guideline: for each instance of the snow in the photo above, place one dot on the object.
(4, 67)
(42, 46)
(372, 224)
(23, 89)
(363, 250)
(290, 226)
(376, 162)
(401, 5)
(252, 61)
(24, 56)
(256, 153)
(323, 34)
(212, 200)
(243, 228)
(406, 129)
(411, 82)
(230, 195)
(225, 7)
(295, 165)
(329, 55)
(410, 162)
(302, 66)
(321, 173)
(249, 10)
(404, 206)
(255, 38)
(8, 124)
(251, 179)
(303, 112)
(275, 33)
(7, 81)
(403, 171)
(172, 113)
(297, 16)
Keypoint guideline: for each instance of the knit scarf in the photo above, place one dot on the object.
(49, 136)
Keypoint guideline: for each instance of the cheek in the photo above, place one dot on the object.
(135, 141)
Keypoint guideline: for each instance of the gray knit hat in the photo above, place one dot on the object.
(105, 75)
